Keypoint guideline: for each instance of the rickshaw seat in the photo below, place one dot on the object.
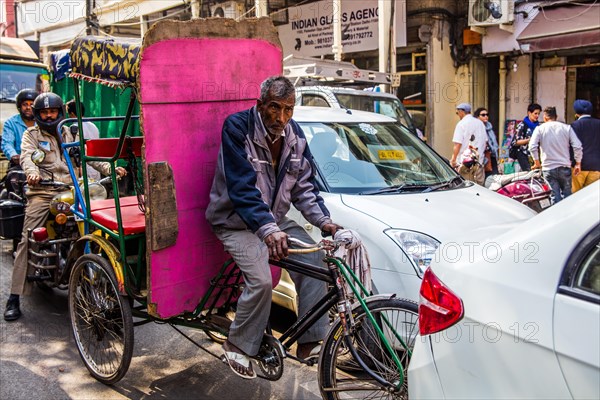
(134, 220)
(107, 147)
(104, 211)
(97, 205)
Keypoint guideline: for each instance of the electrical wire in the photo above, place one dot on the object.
(150, 21)
(573, 17)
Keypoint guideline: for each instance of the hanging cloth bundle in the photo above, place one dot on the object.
(356, 256)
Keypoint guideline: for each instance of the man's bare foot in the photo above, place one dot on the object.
(238, 361)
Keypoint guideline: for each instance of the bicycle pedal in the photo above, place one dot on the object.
(309, 362)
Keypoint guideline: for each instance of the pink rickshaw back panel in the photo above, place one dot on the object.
(188, 86)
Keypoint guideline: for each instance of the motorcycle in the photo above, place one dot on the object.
(12, 205)
(48, 247)
(529, 188)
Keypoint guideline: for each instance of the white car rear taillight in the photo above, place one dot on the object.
(439, 307)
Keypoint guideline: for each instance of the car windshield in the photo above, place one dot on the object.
(13, 78)
(373, 158)
(378, 104)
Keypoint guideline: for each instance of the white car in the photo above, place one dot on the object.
(396, 192)
(515, 311)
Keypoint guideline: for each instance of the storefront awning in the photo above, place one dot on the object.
(562, 28)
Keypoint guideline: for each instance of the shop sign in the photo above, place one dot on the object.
(309, 31)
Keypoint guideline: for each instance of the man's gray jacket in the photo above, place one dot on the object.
(247, 194)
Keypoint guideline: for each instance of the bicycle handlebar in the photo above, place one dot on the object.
(305, 247)
(313, 247)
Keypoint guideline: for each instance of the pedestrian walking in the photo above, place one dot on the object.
(490, 162)
(469, 134)
(519, 149)
(587, 130)
(553, 139)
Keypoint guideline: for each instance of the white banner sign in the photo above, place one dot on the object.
(310, 28)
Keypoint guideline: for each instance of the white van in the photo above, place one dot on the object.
(347, 98)
(396, 192)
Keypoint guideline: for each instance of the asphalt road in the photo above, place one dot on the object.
(39, 359)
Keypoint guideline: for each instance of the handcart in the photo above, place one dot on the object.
(150, 255)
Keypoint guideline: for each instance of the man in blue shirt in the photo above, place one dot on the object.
(15, 126)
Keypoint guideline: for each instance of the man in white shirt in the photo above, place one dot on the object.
(554, 139)
(90, 131)
(469, 133)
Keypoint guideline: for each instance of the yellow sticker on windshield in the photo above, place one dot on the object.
(391, 155)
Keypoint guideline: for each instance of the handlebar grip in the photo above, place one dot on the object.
(54, 184)
(303, 251)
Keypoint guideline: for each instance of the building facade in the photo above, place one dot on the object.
(499, 54)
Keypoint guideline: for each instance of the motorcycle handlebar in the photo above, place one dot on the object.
(54, 184)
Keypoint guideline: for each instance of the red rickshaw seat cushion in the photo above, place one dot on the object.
(134, 221)
(107, 147)
(110, 203)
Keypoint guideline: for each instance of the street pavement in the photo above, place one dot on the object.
(39, 359)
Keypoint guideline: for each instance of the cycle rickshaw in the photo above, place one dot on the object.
(151, 256)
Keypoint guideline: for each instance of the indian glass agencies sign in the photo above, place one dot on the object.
(309, 31)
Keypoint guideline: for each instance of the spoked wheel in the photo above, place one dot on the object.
(101, 319)
(340, 375)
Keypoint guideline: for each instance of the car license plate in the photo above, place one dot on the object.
(391, 155)
(544, 203)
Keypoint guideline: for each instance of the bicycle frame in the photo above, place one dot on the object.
(333, 296)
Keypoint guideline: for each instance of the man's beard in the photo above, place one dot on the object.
(27, 117)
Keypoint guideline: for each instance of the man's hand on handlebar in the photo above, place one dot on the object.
(121, 171)
(33, 179)
(277, 242)
(330, 229)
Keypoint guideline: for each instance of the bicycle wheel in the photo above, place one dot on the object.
(101, 319)
(340, 375)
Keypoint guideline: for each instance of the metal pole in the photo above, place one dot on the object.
(16, 8)
(195, 6)
(337, 48)
(392, 53)
(88, 17)
(383, 24)
(260, 8)
(502, 97)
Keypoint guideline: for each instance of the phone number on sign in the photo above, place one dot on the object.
(359, 35)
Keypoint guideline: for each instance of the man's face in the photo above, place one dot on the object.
(276, 113)
(26, 110)
(49, 114)
(461, 113)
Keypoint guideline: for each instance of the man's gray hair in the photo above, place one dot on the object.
(277, 87)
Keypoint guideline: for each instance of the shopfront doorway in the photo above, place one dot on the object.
(583, 82)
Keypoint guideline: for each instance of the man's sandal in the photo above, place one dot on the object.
(240, 359)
